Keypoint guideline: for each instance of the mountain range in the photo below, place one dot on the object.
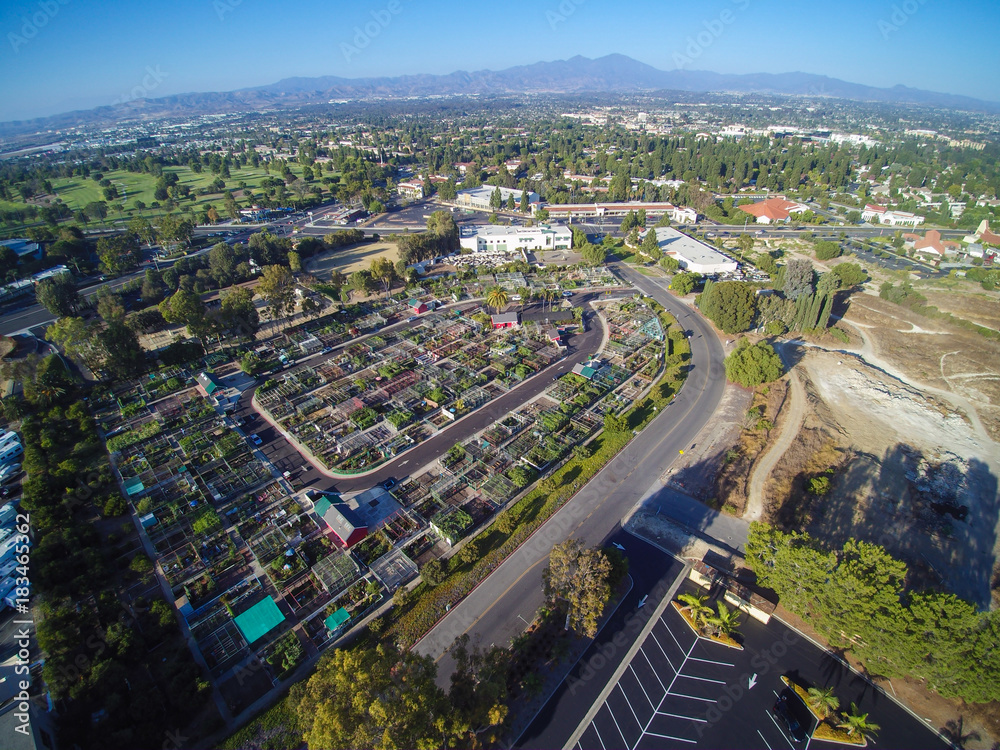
(612, 73)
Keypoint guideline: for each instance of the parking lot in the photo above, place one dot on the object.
(682, 691)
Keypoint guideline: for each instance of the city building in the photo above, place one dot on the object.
(882, 215)
(691, 254)
(411, 189)
(505, 320)
(569, 211)
(773, 210)
(484, 239)
(24, 248)
(480, 197)
(983, 235)
(931, 245)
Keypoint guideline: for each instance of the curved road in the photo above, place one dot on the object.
(285, 457)
(503, 604)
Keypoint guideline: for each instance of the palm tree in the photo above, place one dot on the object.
(726, 621)
(496, 298)
(823, 701)
(696, 607)
(857, 723)
(525, 294)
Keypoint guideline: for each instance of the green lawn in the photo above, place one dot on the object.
(77, 192)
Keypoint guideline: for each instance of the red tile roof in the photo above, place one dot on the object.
(775, 209)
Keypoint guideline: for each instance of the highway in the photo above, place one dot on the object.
(503, 604)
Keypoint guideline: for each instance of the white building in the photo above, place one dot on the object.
(882, 215)
(411, 188)
(480, 197)
(677, 214)
(485, 239)
(691, 254)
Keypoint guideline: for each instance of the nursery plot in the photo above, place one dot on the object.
(336, 572)
(394, 569)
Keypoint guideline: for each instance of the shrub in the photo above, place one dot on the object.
(751, 365)
(115, 506)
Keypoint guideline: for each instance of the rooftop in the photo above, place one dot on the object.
(673, 242)
(259, 620)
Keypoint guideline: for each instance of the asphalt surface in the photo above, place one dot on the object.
(579, 348)
(682, 691)
(501, 606)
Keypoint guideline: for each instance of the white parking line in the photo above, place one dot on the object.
(780, 730)
(641, 687)
(601, 739)
(702, 679)
(668, 737)
(616, 723)
(679, 716)
(709, 661)
(693, 697)
(654, 670)
(657, 642)
(766, 744)
(673, 636)
(627, 701)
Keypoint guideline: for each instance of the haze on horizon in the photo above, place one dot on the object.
(62, 55)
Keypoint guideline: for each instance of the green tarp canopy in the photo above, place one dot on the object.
(259, 620)
(134, 486)
(337, 619)
(322, 506)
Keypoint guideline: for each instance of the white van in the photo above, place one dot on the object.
(10, 452)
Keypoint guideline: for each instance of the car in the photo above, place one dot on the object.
(238, 421)
(255, 438)
(411, 318)
(567, 293)
(389, 483)
(783, 711)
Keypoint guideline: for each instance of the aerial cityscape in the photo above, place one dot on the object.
(548, 375)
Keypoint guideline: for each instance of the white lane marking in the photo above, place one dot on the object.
(766, 744)
(641, 687)
(616, 723)
(668, 737)
(601, 739)
(645, 728)
(709, 661)
(643, 652)
(702, 679)
(680, 716)
(629, 704)
(778, 727)
(657, 642)
(674, 636)
(693, 697)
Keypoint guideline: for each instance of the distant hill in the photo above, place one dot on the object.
(612, 73)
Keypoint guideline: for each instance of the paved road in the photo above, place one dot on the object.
(579, 348)
(501, 606)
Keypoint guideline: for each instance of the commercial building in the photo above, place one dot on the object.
(24, 248)
(480, 197)
(677, 214)
(484, 239)
(692, 255)
(411, 189)
(773, 210)
(882, 215)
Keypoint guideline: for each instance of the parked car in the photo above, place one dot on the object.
(783, 711)
(389, 483)
(255, 438)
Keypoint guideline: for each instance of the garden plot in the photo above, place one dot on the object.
(395, 389)
(394, 569)
(336, 572)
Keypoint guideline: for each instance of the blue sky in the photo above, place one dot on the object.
(58, 55)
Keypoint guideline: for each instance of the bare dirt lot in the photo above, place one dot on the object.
(354, 258)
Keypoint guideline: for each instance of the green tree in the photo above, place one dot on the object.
(78, 339)
(725, 621)
(384, 272)
(294, 262)
(650, 247)
(187, 309)
(496, 298)
(58, 295)
(238, 312)
(374, 698)
(670, 265)
(125, 358)
(751, 365)
(277, 289)
(745, 243)
(525, 207)
(823, 701)
(696, 606)
(856, 723)
(826, 249)
(118, 254)
(578, 577)
(594, 255)
(433, 572)
(798, 278)
(731, 305)
(850, 274)
(684, 283)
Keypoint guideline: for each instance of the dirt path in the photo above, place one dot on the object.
(790, 430)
